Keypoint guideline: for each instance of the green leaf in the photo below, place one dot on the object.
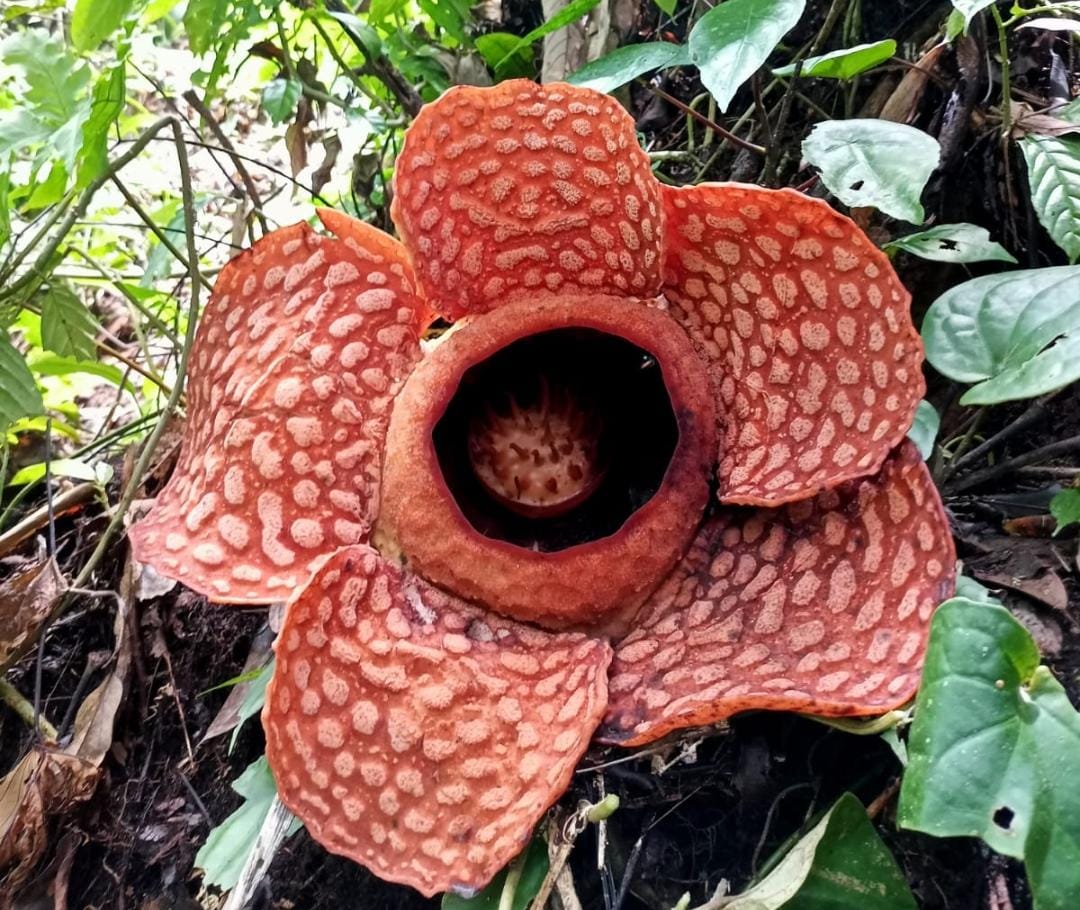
(496, 47)
(1054, 176)
(1017, 334)
(222, 856)
(732, 41)
(969, 589)
(668, 6)
(58, 467)
(874, 163)
(5, 208)
(954, 26)
(67, 327)
(204, 20)
(924, 428)
(383, 9)
(995, 749)
(19, 395)
(46, 364)
(970, 8)
(840, 864)
(106, 104)
(279, 98)
(844, 64)
(1065, 507)
(569, 13)
(952, 243)
(532, 877)
(253, 699)
(626, 63)
(94, 20)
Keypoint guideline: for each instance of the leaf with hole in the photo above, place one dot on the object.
(92, 21)
(924, 428)
(995, 749)
(533, 871)
(67, 326)
(840, 864)
(1053, 164)
(1065, 507)
(732, 41)
(222, 856)
(952, 243)
(843, 64)
(19, 395)
(1016, 334)
(627, 63)
(874, 163)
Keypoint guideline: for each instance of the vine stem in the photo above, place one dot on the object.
(513, 878)
(143, 463)
(22, 706)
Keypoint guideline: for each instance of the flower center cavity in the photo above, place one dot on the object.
(558, 438)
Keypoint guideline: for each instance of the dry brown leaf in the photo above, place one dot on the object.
(903, 104)
(26, 601)
(1029, 122)
(229, 715)
(321, 176)
(1047, 587)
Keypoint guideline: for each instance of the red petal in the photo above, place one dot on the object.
(524, 189)
(418, 735)
(822, 606)
(817, 363)
(298, 356)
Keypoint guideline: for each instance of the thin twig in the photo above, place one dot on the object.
(1061, 447)
(705, 121)
(150, 447)
(162, 237)
(1031, 416)
(192, 98)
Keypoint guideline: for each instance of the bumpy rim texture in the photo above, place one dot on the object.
(581, 584)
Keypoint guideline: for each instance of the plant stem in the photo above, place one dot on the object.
(1006, 77)
(18, 703)
(701, 118)
(510, 885)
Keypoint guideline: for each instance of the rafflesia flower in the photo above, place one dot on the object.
(655, 474)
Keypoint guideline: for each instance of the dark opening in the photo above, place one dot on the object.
(610, 377)
(1003, 817)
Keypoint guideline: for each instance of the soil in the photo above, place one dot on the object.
(738, 792)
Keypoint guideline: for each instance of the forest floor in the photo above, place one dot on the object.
(716, 803)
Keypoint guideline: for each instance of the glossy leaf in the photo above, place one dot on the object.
(1054, 176)
(843, 64)
(501, 52)
(995, 749)
(732, 41)
(92, 21)
(279, 98)
(971, 8)
(19, 395)
(924, 428)
(1065, 507)
(222, 856)
(627, 63)
(840, 863)
(532, 877)
(874, 163)
(952, 243)
(1016, 334)
(74, 468)
(67, 327)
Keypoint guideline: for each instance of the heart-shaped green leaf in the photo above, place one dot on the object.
(732, 41)
(970, 8)
(1016, 334)
(924, 428)
(874, 163)
(995, 749)
(626, 63)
